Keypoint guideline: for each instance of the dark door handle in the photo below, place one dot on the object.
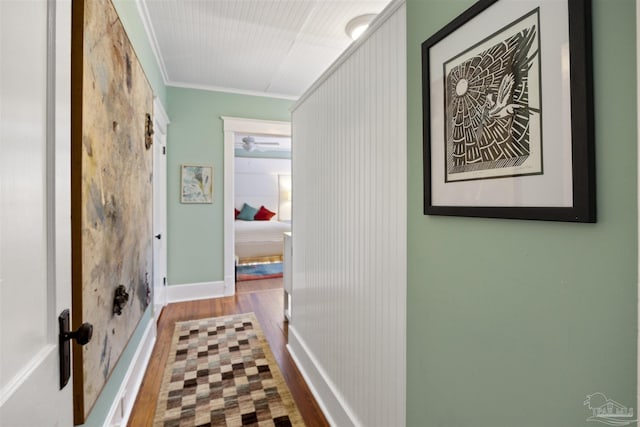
(82, 336)
(158, 236)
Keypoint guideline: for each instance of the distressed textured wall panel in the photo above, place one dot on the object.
(112, 191)
(349, 227)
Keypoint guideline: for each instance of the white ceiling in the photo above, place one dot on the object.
(267, 47)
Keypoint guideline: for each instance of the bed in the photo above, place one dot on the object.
(259, 240)
(259, 183)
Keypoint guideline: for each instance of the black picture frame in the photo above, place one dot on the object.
(440, 193)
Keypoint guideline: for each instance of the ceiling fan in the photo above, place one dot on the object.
(250, 144)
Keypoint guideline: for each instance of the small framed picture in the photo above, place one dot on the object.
(197, 184)
(508, 112)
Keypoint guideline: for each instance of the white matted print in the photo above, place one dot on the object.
(507, 112)
(196, 184)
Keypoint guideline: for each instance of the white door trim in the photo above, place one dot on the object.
(231, 126)
(160, 116)
(160, 123)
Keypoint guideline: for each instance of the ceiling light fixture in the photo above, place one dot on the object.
(359, 25)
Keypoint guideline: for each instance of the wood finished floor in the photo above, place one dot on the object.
(264, 298)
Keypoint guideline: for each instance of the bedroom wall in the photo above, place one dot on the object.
(195, 232)
(268, 154)
(515, 322)
(256, 181)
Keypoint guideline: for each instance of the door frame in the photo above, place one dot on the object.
(160, 124)
(231, 126)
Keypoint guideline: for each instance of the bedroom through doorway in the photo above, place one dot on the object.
(262, 204)
(258, 192)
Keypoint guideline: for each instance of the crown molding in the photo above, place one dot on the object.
(143, 11)
(232, 90)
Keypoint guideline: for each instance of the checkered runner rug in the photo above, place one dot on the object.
(221, 372)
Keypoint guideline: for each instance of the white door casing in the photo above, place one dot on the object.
(231, 126)
(161, 121)
(35, 219)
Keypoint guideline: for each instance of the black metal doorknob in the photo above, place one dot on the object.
(82, 335)
(158, 236)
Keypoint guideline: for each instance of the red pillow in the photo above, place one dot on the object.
(237, 212)
(263, 214)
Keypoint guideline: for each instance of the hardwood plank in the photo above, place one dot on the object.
(262, 297)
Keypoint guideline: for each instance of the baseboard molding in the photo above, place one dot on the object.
(122, 405)
(195, 291)
(321, 387)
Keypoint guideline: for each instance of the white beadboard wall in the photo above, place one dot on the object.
(348, 326)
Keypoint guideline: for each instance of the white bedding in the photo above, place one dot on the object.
(260, 238)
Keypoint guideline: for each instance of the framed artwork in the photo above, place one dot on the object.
(196, 184)
(508, 113)
(111, 197)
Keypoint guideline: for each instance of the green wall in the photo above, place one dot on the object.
(513, 323)
(128, 13)
(99, 413)
(195, 232)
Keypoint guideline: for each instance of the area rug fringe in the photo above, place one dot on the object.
(221, 372)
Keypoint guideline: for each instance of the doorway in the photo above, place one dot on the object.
(233, 125)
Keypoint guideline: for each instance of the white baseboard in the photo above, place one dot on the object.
(195, 291)
(122, 405)
(337, 413)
